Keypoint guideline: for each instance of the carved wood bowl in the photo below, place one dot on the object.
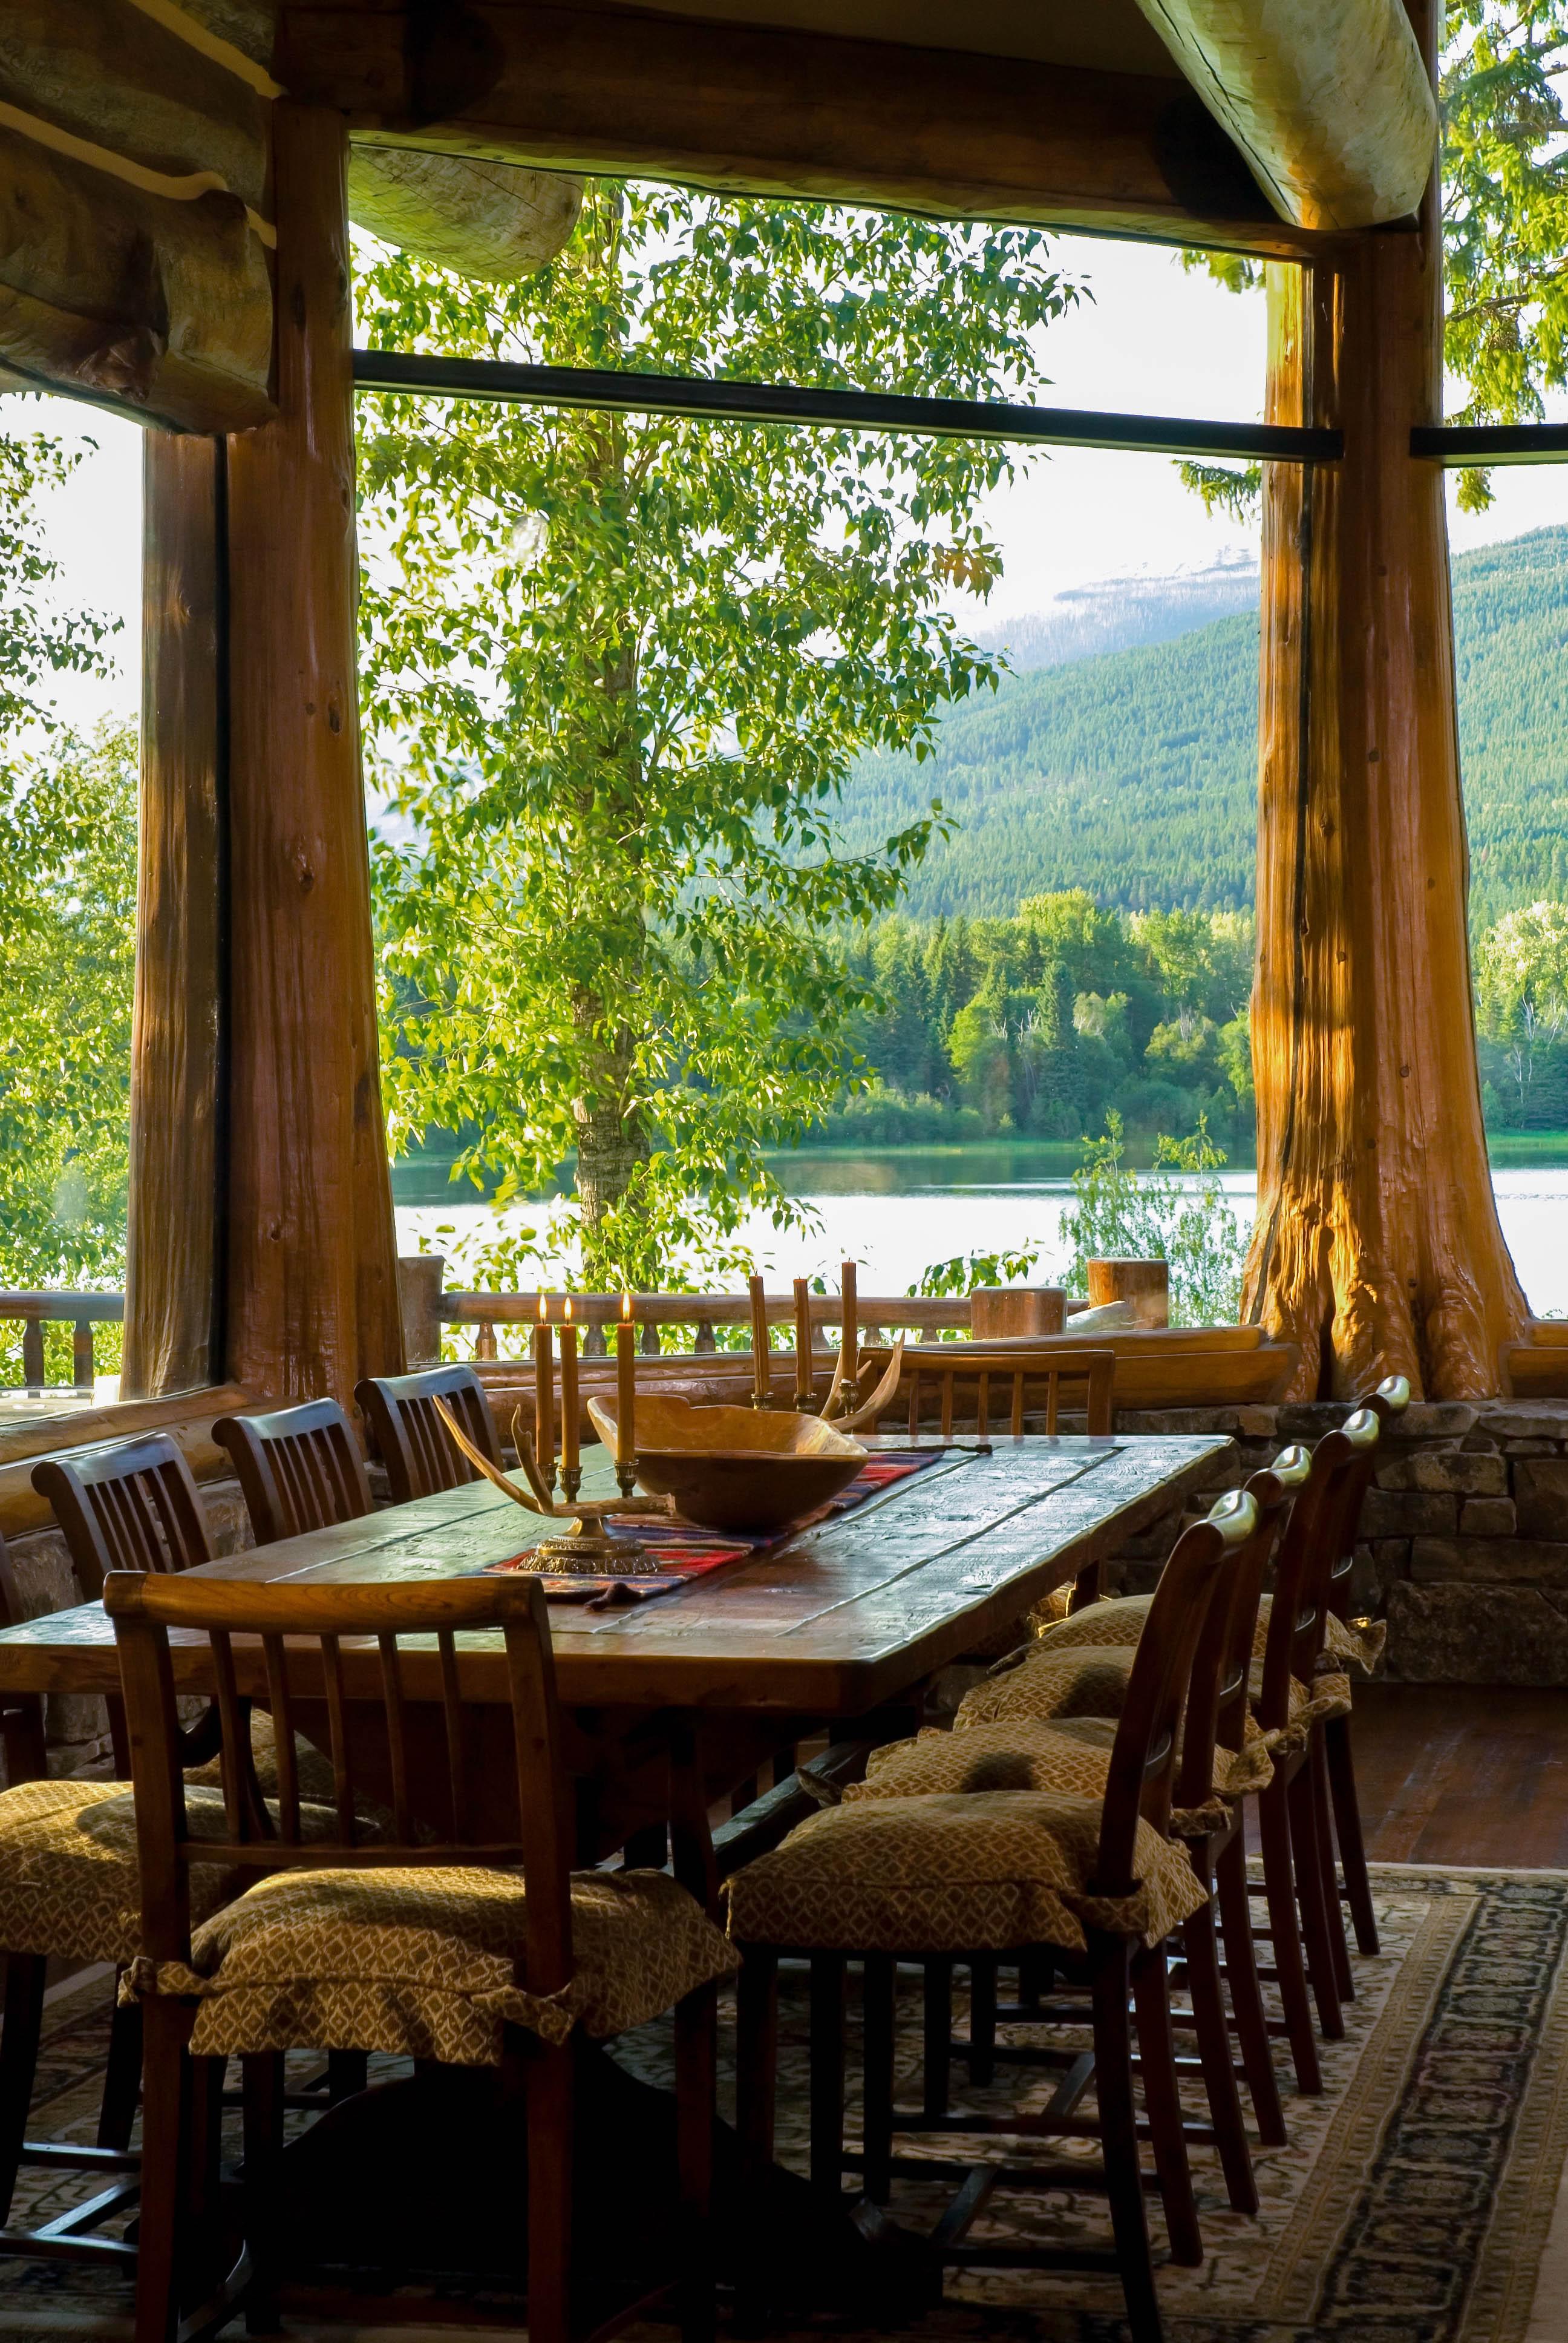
(736, 1468)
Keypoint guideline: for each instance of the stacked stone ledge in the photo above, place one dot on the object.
(1464, 1543)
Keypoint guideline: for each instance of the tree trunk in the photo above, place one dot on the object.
(1377, 1246)
(312, 1298)
(172, 1273)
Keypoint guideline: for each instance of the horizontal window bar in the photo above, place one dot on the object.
(859, 410)
(1491, 443)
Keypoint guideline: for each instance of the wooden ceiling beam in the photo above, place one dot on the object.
(759, 111)
(1329, 100)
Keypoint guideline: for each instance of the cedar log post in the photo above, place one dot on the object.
(172, 1286)
(312, 1299)
(1377, 1246)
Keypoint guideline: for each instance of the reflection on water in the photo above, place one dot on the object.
(897, 1213)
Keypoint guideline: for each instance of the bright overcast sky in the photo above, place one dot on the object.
(1154, 339)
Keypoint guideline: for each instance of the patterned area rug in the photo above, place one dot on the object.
(1413, 2205)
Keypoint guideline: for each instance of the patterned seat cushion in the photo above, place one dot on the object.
(965, 1872)
(70, 1882)
(314, 1777)
(1120, 1620)
(421, 1962)
(1091, 1680)
(1072, 1753)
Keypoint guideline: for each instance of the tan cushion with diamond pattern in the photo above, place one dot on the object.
(980, 1872)
(1122, 1620)
(420, 1963)
(1091, 1680)
(1023, 1753)
(68, 1877)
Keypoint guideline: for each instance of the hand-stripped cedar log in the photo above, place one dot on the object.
(128, 299)
(171, 1269)
(495, 221)
(1329, 100)
(760, 110)
(1377, 1246)
(313, 1274)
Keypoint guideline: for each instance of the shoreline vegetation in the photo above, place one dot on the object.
(422, 1179)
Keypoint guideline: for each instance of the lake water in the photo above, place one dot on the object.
(897, 1213)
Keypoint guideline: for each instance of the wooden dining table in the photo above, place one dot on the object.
(839, 1627)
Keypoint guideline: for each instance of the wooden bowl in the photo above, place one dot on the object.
(736, 1468)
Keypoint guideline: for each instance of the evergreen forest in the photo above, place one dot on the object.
(1133, 774)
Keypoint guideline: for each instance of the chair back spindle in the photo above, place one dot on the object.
(1217, 1704)
(1309, 1550)
(409, 1437)
(1143, 1755)
(300, 1469)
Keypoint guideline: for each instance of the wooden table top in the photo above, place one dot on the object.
(845, 1616)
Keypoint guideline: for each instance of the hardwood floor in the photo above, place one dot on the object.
(1462, 1774)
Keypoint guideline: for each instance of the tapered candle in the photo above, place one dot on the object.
(570, 1458)
(802, 1343)
(849, 1332)
(625, 1385)
(545, 1394)
(761, 1387)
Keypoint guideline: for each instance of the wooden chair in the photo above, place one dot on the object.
(519, 2007)
(821, 1887)
(1388, 1404)
(300, 1469)
(1212, 1829)
(934, 1371)
(1293, 1812)
(69, 2237)
(409, 1437)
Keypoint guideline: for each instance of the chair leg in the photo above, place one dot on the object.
(1347, 1831)
(1322, 1826)
(1290, 1962)
(1119, 2139)
(1247, 1995)
(122, 2075)
(166, 2079)
(1314, 1918)
(695, 2072)
(348, 2071)
(23, 2023)
(261, 2092)
(939, 2037)
(549, 2118)
(1162, 2103)
(757, 2048)
(826, 2072)
(983, 2019)
(1219, 2065)
(879, 2019)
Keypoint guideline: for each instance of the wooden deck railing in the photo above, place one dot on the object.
(81, 1311)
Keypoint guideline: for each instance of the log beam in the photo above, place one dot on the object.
(1329, 100)
(173, 1284)
(763, 111)
(312, 1298)
(1377, 1246)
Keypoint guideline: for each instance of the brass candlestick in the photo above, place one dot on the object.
(571, 1477)
(626, 1477)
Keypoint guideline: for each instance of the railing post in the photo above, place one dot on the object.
(419, 1282)
(81, 1356)
(1143, 1285)
(485, 1341)
(33, 1357)
(706, 1340)
(999, 1311)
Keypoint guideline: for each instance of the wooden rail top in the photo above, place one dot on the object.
(846, 1616)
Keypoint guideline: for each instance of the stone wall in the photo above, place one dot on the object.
(1465, 1534)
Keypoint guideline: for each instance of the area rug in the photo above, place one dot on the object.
(1414, 2203)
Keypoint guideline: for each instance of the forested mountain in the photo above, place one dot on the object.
(1119, 614)
(1133, 774)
